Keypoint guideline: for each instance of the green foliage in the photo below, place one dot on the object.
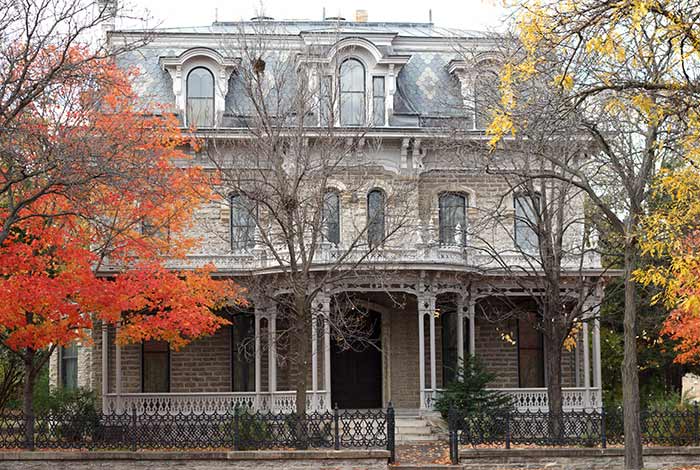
(468, 392)
(252, 430)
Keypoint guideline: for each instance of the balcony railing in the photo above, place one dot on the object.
(536, 399)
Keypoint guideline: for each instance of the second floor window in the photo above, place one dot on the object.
(331, 217)
(242, 223)
(69, 366)
(453, 219)
(526, 218)
(352, 93)
(375, 217)
(378, 103)
(200, 98)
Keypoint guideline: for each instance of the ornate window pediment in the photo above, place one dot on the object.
(180, 68)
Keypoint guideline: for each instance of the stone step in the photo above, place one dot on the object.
(400, 438)
(411, 422)
(413, 429)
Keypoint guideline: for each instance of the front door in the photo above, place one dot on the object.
(356, 370)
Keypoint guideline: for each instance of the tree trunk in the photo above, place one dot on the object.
(630, 377)
(554, 392)
(301, 344)
(28, 398)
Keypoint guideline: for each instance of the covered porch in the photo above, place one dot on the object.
(418, 343)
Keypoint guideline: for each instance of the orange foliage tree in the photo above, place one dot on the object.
(95, 199)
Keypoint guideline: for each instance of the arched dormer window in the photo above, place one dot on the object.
(200, 98)
(375, 217)
(486, 94)
(352, 93)
(331, 217)
(453, 219)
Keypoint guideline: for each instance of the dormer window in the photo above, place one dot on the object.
(352, 93)
(200, 98)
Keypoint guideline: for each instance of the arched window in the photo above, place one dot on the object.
(352, 93)
(200, 98)
(486, 94)
(453, 219)
(375, 217)
(242, 223)
(331, 217)
(526, 218)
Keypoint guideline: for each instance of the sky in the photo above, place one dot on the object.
(464, 14)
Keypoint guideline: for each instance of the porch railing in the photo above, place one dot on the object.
(535, 399)
(211, 403)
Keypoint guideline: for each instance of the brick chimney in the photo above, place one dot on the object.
(361, 16)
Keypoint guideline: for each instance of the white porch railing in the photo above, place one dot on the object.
(211, 403)
(535, 399)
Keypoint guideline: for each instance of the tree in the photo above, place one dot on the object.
(284, 180)
(623, 73)
(95, 200)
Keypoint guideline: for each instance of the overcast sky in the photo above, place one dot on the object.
(465, 14)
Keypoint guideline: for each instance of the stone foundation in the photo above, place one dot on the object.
(666, 458)
(258, 460)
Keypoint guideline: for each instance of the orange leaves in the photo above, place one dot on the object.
(96, 185)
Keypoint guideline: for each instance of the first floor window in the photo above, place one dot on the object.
(530, 354)
(243, 364)
(155, 366)
(453, 219)
(69, 366)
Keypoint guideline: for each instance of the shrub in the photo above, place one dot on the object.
(468, 392)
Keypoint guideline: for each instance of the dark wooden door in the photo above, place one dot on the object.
(356, 373)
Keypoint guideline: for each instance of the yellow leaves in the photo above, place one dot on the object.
(570, 341)
(565, 81)
(500, 126)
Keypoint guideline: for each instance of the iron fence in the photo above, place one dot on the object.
(238, 430)
(593, 428)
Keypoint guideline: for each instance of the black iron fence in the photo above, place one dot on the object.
(595, 428)
(237, 430)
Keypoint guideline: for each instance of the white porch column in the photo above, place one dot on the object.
(460, 331)
(433, 367)
(105, 366)
(314, 360)
(118, 371)
(586, 358)
(272, 355)
(421, 353)
(326, 307)
(597, 372)
(258, 360)
(472, 326)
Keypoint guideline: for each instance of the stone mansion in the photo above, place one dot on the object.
(402, 84)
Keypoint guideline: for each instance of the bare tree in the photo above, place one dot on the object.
(286, 178)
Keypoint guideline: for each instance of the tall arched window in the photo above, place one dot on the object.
(453, 219)
(200, 98)
(375, 217)
(242, 223)
(486, 94)
(331, 217)
(526, 221)
(352, 93)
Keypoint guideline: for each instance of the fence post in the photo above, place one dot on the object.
(696, 424)
(391, 432)
(236, 430)
(134, 428)
(336, 428)
(452, 428)
(508, 429)
(603, 436)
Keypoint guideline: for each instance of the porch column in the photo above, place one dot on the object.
(586, 358)
(118, 371)
(421, 354)
(460, 331)
(472, 326)
(433, 368)
(272, 355)
(597, 373)
(326, 308)
(314, 360)
(105, 366)
(258, 360)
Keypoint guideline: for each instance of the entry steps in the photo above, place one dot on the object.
(417, 429)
